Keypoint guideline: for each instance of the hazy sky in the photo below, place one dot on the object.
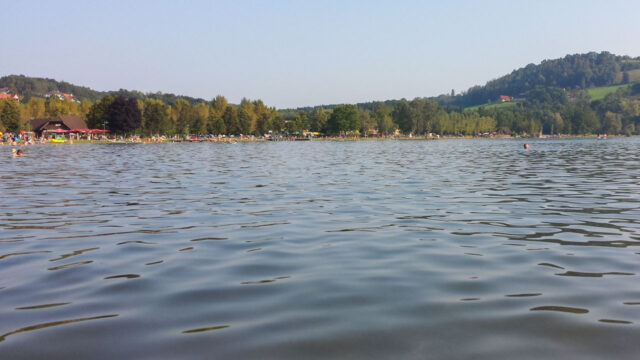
(297, 53)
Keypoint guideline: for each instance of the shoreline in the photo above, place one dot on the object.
(315, 139)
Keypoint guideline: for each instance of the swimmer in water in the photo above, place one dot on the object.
(526, 146)
(19, 152)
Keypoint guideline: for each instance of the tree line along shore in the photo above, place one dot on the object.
(549, 111)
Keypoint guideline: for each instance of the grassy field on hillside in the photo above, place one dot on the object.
(498, 105)
(599, 93)
(634, 76)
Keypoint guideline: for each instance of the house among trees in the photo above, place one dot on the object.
(58, 124)
(60, 95)
(5, 93)
(505, 98)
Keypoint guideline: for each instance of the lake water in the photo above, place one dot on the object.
(449, 249)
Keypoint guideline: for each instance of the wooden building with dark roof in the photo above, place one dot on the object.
(58, 123)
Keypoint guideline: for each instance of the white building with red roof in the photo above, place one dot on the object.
(60, 95)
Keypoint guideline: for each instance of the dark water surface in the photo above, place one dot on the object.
(449, 249)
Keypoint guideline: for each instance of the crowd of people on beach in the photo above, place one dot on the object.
(19, 139)
(29, 138)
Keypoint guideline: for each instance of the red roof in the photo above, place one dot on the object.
(7, 96)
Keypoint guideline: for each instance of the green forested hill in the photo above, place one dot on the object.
(29, 87)
(573, 71)
(581, 71)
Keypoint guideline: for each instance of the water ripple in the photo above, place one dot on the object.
(3, 337)
(43, 306)
(65, 266)
(287, 250)
(566, 309)
(198, 330)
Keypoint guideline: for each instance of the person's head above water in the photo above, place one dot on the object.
(526, 146)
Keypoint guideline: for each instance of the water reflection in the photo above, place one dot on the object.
(43, 306)
(23, 253)
(566, 309)
(123, 276)
(3, 337)
(219, 327)
(612, 321)
(264, 281)
(588, 274)
(74, 253)
(65, 266)
(524, 295)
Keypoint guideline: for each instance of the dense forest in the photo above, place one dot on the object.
(573, 71)
(554, 97)
(29, 87)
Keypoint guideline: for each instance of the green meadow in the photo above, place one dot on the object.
(598, 93)
(496, 105)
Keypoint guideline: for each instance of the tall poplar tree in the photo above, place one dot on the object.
(156, 118)
(230, 118)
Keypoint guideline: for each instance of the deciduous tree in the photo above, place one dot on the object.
(97, 116)
(199, 118)
(181, 115)
(156, 118)
(297, 124)
(124, 115)
(382, 116)
(318, 120)
(401, 115)
(344, 118)
(230, 118)
(10, 115)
